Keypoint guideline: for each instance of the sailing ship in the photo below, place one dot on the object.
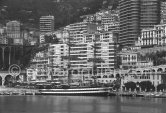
(102, 91)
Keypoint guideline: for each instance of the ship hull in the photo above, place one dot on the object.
(76, 92)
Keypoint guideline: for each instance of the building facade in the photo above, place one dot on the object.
(133, 58)
(13, 30)
(134, 16)
(31, 74)
(46, 24)
(48, 64)
(153, 36)
(39, 67)
(57, 67)
(84, 38)
(154, 74)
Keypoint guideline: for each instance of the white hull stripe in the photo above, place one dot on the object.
(79, 92)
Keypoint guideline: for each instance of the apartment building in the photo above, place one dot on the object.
(106, 50)
(110, 21)
(31, 74)
(48, 64)
(76, 31)
(46, 25)
(57, 65)
(13, 29)
(40, 64)
(84, 36)
(3, 36)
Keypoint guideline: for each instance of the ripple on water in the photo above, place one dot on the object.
(80, 104)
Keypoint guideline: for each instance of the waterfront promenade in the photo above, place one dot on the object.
(139, 94)
(25, 91)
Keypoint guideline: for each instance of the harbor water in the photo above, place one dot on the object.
(81, 104)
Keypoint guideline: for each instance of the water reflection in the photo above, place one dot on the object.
(69, 104)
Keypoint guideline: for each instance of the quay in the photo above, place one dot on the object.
(138, 94)
(18, 91)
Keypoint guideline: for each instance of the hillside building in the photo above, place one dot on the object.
(153, 36)
(46, 25)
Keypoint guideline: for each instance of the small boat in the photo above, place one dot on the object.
(102, 91)
(139, 95)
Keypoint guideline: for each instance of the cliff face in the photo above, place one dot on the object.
(65, 11)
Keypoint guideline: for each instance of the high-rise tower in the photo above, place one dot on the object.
(46, 24)
(136, 15)
(163, 12)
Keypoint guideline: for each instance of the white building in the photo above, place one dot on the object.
(85, 36)
(154, 74)
(153, 36)
(133, 58)
(40, 63)
(83, 40)
(3, 36)
(109, 19)
(82, 36)
(57, 65)
(31, 74)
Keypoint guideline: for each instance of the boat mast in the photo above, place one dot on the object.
(94, 60)
(69, 43)
(69, 65)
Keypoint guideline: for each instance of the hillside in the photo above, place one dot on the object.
(65, 12)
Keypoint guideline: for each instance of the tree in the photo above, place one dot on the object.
(51, 39)
(116, 84)
(161, 87)
(157, 57)
(130, 85)
(146, 85)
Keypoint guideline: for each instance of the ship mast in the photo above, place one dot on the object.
(69, 65)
